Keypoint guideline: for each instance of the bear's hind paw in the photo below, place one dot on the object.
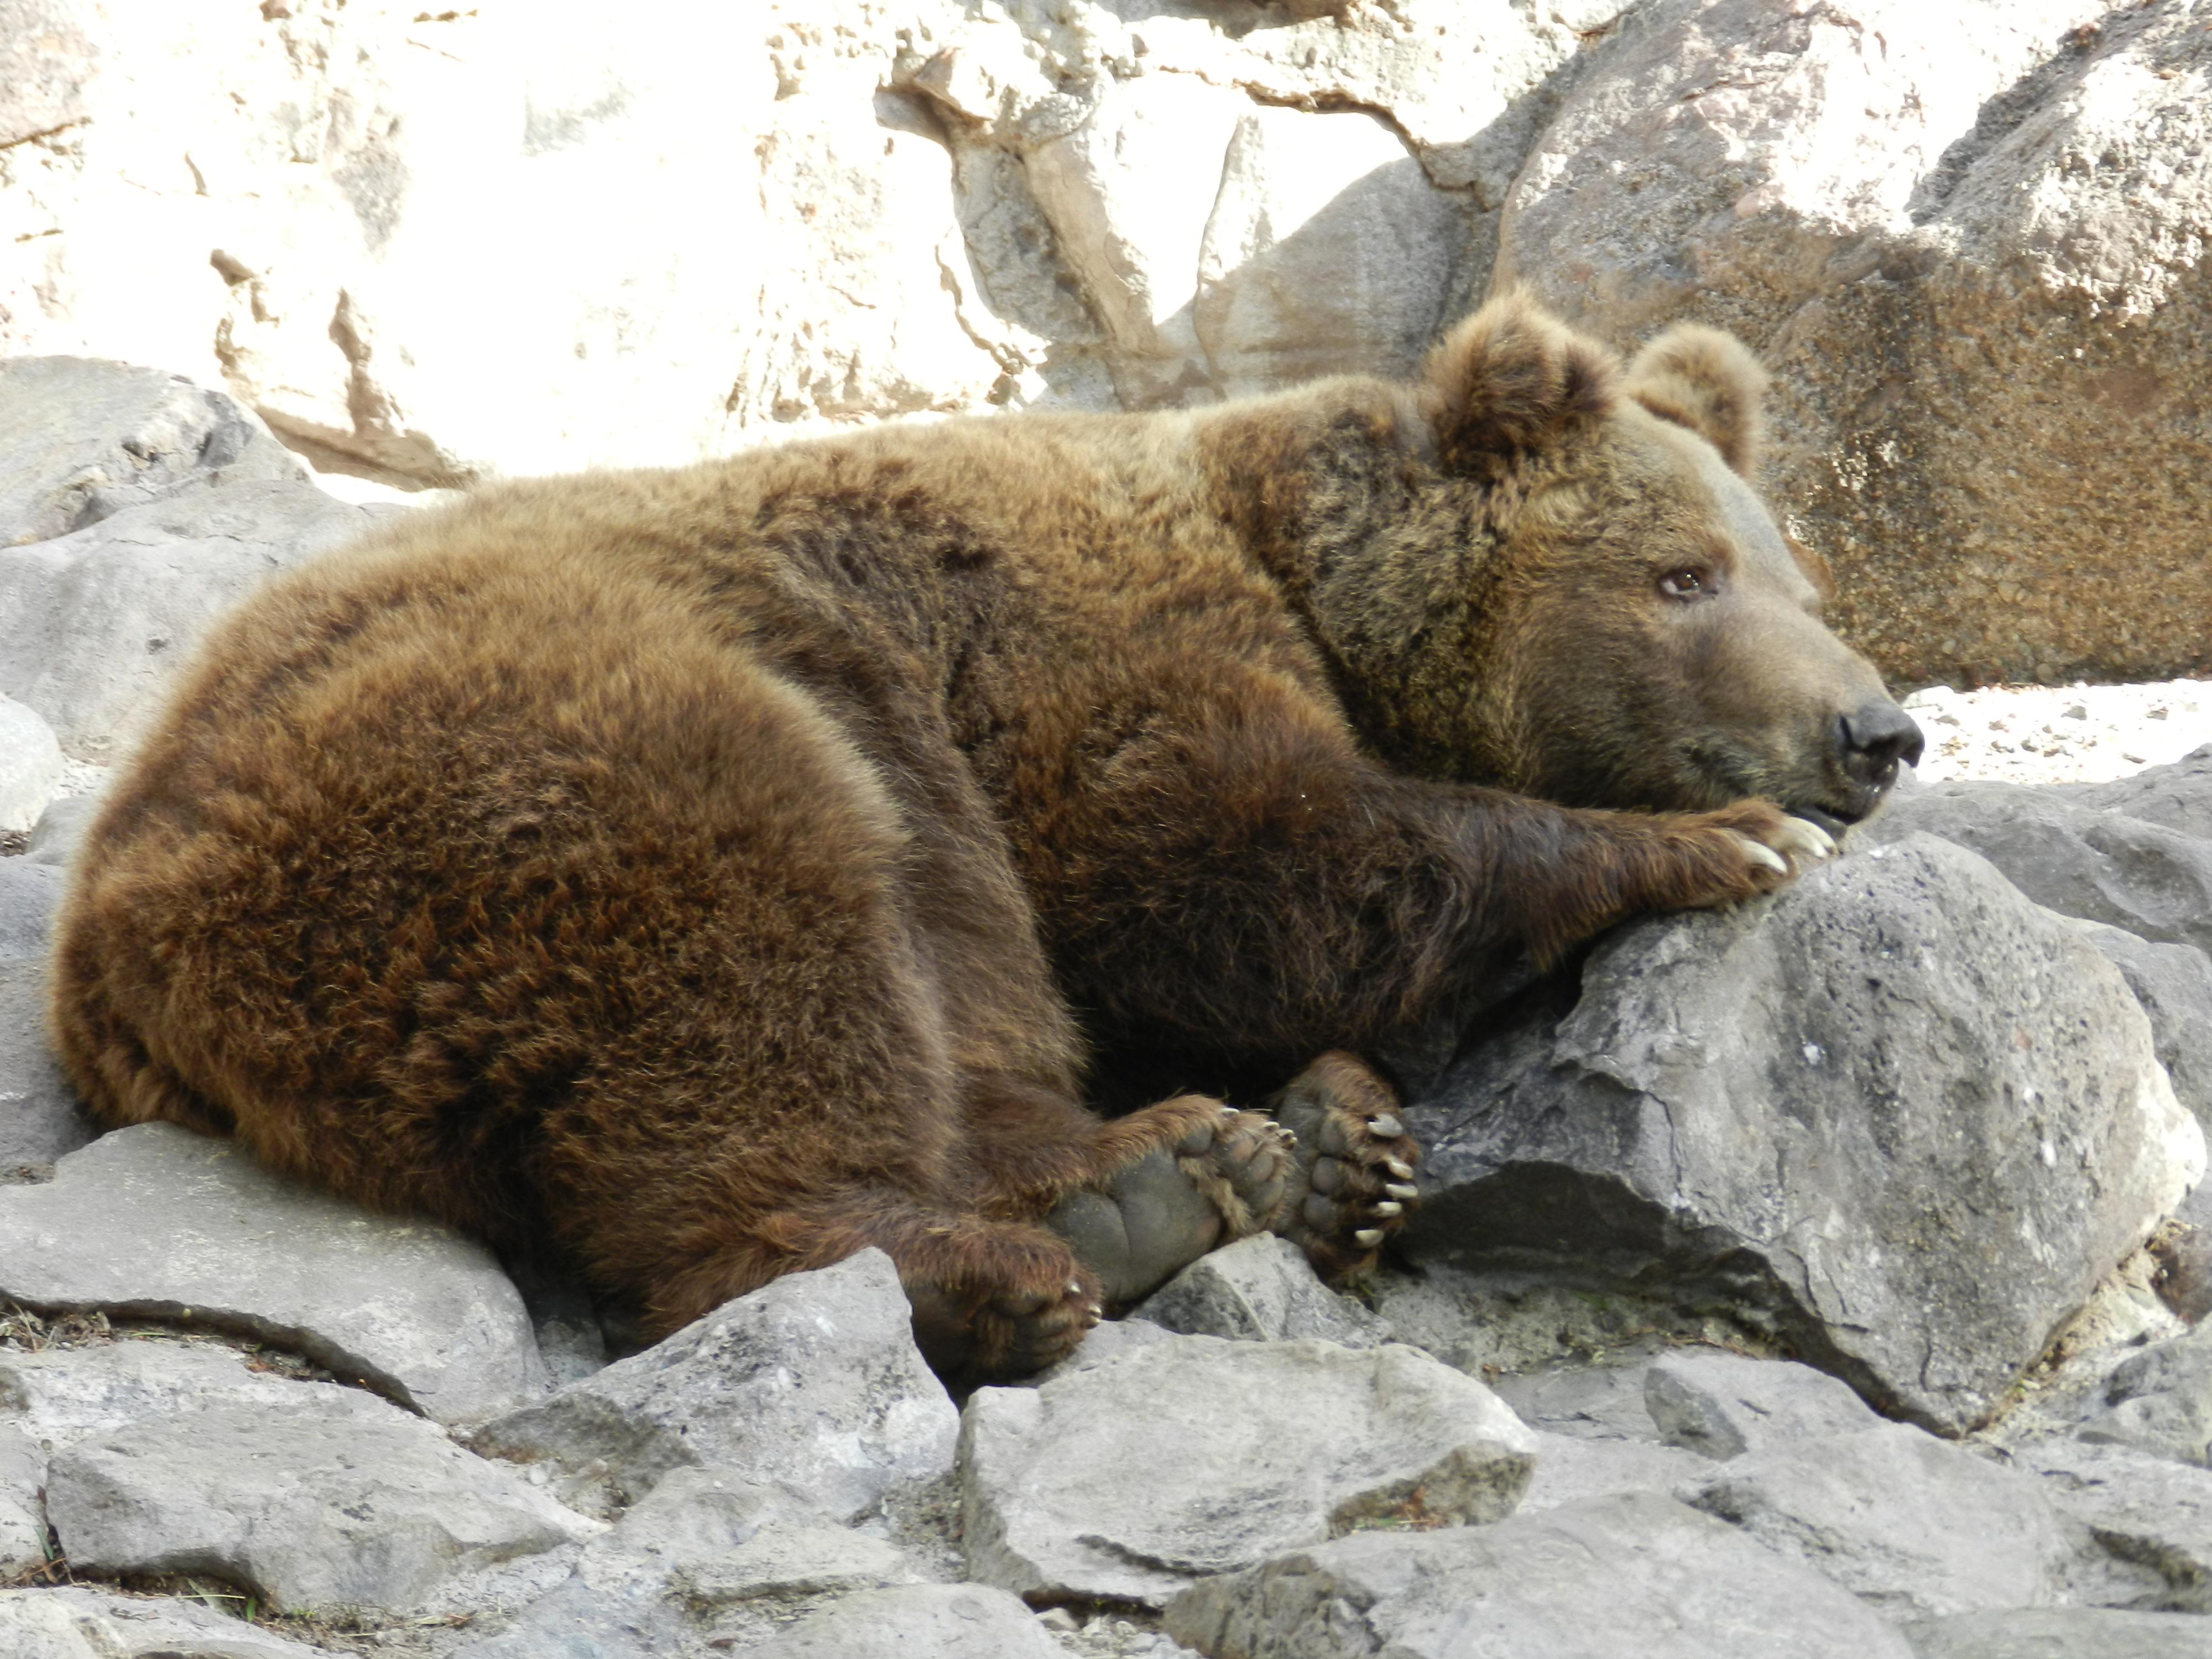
(1355, 1161)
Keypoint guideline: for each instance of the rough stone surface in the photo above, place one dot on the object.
(2143, 1509)
(918, 1621)
(75, 1623)
(30, 765)
(58, 1396)
(1858, 1110)
(1968, 239)
(357, 1503)
(157, 1222)
(39, 1118)
(1631, 1574)
(1570, 1468)
(812, 1381)
(1915, 1527)
(1588, 1402)
(2059, 1633)
(2173, 984)
(22, 1513)
(796, 1560)
(1722, 1404)
(2177, 797)
(1125, 1480)
(2161, 1400)
(1260, 1289)
(55, 836)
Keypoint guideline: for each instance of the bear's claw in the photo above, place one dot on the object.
(1357, 1160)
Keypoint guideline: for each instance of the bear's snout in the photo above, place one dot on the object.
(1873, 738)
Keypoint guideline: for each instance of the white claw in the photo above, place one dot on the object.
(1387, 1208)
(1386, 1126)
(1074, 1287)
(1803, 839)
(1404, 1171)
(1398, 1190)
(1368, 1237)
(1760, 853)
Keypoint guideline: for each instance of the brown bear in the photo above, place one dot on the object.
(704, 874)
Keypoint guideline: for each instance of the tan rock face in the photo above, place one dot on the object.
(1970, 240)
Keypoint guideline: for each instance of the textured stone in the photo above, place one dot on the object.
(1915, 1527)
(46, 55)
(918, 1621)
(22, 1513)
(1260, 1289)
(39, 1118)
(1631, 1574)
(30, 765)
(1588, 1403)
(2060, 1633)
(58, 1396)
(2161, 1400)
(796, 1560)
(812, 1382)
(157, 1222)
(75, 1623)
(54, 838)
(1570, 1468)
(1124, 1481)
(2173, 984)
(2143, 1509)
(1898, 1110)
(1722, 1404)
(2177, 797)
(356, 1503)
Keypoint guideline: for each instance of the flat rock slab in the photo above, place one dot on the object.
(73, 1623)
(2062, 1633)
(918, 1621)
(1722, 1404)
(1125, 1480)
(1636, 1574)
(2161, 1400)
(356, 1504)
(1260, 1289)
(787, 1561)
(812, 1381)
(57, 1396)
(2143, 1509)
(155, 1222)
(1914, 1527)
(1899, 1110)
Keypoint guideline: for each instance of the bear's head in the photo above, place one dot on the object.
(1576, 592)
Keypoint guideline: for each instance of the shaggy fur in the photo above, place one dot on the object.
(710, 872)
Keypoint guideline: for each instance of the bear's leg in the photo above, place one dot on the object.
(1355, 1163)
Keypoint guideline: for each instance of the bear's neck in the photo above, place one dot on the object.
(1335, 492)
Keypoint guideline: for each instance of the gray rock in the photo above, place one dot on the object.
(75, 1623)
(1589, 1402)
(39, 1118)
(157, 1222)
(2070, 855)
(793, 1560)
(2144, 1509)
(357, 1503)
(30, 765)
(1570, 1468)
(918, 1621)
(1124, 1481)
(55, 836)
(86, 440)
(2177, 797)
(812, 1381)
(1897, 1111)
(1260, 1289)
(1724, 1404)
(2161, 1400)
(1914, 1527)
(58, 1396)
(22, 1513)
(2061, 1633)
(2172, 983)
(1633, 1574)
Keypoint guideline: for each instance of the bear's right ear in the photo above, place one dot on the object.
(1510, 379)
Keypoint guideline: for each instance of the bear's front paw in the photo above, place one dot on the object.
(1005, 1331)
(1356, 1161)
(1741, 852)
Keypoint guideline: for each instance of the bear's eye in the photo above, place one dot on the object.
(1687, 583)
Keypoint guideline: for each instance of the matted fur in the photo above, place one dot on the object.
(706, 874)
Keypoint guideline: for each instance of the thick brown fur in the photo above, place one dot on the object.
(710, 872)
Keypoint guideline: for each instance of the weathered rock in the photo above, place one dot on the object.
(55, 836)
(356, 1503)
(2143, 1509)
(2161, 1400)
(1588, 1403)
(58, 1396)
(1965, 237)
(918, 1621)
(2060, 1633)
(30, 765)
(1722, 1404)
(1125, 1480)
(39, 1118)
(157, 1222)
(1898, 1110)
(812, 1382)
(1570, 1468)
(2173, 984)
(2177, 797)
(1915, 1527)
(75, 1623)
(1260, 1289)
(796, 1560)
(22, 1514)
(1632, 1574)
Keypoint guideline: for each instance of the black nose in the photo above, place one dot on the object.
(1875, 737)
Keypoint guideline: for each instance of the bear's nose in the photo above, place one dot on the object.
(1876, 736)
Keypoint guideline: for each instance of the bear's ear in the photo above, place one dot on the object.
(1510, 379)
(1708, 381)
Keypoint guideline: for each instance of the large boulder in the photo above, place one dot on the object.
(1898, 1111)
(1967, 237)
